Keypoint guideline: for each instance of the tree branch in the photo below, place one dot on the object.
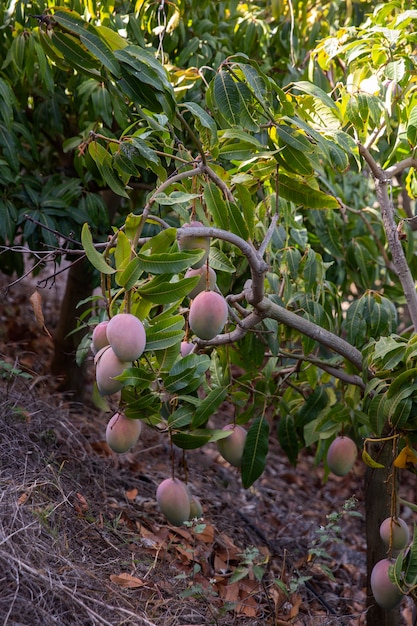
(258, 266)
(382, 182)
(267, 308)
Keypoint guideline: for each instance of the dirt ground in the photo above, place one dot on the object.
(82, 541)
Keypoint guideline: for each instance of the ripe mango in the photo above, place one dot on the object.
(400, 532)
(208, 280)
(208, 314)
(231, 447)
(386, 594)
(108, 366)
(99, 339)
(127, 336)
(174, 501)
(195, 243)
(341, 455)
(186, 348)
(122, 432)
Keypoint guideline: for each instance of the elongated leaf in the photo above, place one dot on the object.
(376, 412)
(160, 291)
(368, 460)
(204, 119)
(287, 437)
(255, 451)
(402, 380)
(104, 163)
(216, 206)
(166, 323)
(208, 406)
(75, 54)
(96, 259)
(300, 192)
(317, 92)
(198, 362)
(227, 98)
(181, 417)
(130, 274)
(161, 242)
(136, 377)
(171, 263)
(101, 51)
(237, 221)
(192, 440)
(163, 339)
(177, 197)
(412, 127)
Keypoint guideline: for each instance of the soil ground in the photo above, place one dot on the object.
(82, 541)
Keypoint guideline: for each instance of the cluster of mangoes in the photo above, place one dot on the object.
(393, 531)
(121, 340)
(395, 534)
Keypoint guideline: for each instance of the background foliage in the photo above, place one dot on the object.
(275, 125)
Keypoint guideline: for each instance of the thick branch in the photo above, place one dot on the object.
(382, 183)
(399, 167)
(257, 265)
(398, 256)
(267, 308)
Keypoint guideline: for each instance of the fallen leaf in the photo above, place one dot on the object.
(36, 302)
(23, 498)
(131, 494)
(126, 580)
(80, 504)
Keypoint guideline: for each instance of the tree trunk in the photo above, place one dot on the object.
(377, 508)
(79, 286)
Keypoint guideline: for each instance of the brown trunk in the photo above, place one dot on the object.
(378, 507)
(79, 286)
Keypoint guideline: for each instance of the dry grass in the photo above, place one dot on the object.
(66, 528)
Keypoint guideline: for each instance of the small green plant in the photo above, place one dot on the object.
(318, 552)
(9, 371)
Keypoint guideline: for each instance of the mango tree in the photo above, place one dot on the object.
(303, 189)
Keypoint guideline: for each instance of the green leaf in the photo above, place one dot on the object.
(163, 339)
(130, 275)
(75, 54)
(208, 406)
(255, 451)
(377, 414)
(103, 161)
(299, 192)
(317, 92)
(136, 377)
(171, 263)
(101, 51)
(96, 259)
(161, 242)
(181, 417)
(227, 98)
(216, 206)
(160, 291)
(177, 197)
(186, 372)
(205, 120)
(287, 437)
(412, 127)
(220, 262)
(191, 440)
